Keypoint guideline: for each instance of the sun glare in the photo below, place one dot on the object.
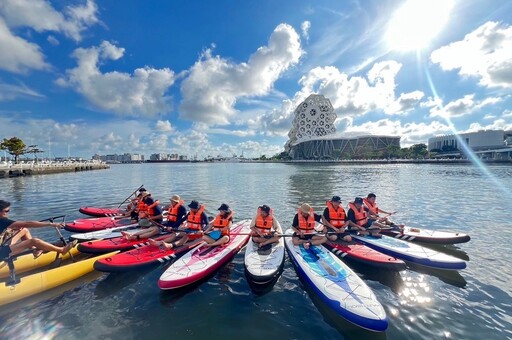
(416, 23)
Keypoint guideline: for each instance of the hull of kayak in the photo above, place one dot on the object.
(27, 262)
(365, 255)
(411, 252)
(100, 223)
(427, 236)
(264, 265)
(338, 286)
(113, 244)
(105, 234)
(142, 257)
(101, 212)
(204, 260)
(45, 280)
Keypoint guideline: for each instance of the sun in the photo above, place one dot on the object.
(416, 23)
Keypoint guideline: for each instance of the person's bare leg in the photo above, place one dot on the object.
(39, 244)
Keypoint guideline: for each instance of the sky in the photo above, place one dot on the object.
(210, 78)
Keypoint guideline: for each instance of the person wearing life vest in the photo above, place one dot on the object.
(264, 227)
(190, 227)
(8, 227)
(150, 219)
(335, 218)
(176, 212)
(217, 232)
(358, 218)
(303, 225)
(370, 203)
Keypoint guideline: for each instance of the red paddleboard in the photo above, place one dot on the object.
(202, 261)
(365, 255)
(141, 257)
(117, 243)
(99, 223)
(101, 212)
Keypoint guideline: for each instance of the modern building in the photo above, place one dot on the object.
(313, 134)
(488, 139)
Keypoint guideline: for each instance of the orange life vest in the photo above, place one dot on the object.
(374, 209)
(172, 213)
(150, 208)
(360, 215)
(264, 224)
(309, 224)
(194, 220)
(141, 206)
(221, 222)
(336, 216)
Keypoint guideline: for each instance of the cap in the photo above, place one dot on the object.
(265, 208)
(142, 189)
(358, 200)
(335, 199)
(194, 204)
(305, 208)
(224, 207)
(145, 193)
(176, 198)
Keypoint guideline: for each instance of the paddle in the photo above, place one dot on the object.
(133, 193)
(58, 259)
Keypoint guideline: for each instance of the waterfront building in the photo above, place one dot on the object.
(313, 134)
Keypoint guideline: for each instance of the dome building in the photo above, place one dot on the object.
(313, 134)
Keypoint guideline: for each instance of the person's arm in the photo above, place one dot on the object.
(326, 220)
(255, 229)
(179, 223)
(33, 224)
(204, 220)
(318, 218)
(351, 220)
(295, 225)
(276, 224)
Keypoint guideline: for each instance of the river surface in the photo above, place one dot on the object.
(474, 303)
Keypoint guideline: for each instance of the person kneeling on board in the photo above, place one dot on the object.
(150, 219)
(8, 227)
(358, 220)
(334, 218)
(217, 232)
(196, 221)
(264, 227)
(303, 225)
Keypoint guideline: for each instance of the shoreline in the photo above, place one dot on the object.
(351, 162)
(29, 169)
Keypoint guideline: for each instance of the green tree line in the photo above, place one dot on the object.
(17, 147)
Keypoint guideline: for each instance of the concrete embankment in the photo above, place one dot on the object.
(51, 168)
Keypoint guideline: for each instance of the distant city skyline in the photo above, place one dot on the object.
(170, 77)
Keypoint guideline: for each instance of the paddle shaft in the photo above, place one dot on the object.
(127, 198)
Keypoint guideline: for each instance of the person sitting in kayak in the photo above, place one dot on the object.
(303, 225)
(176, 212)
(217, 232)
(132, 209)
(264, 227)
(196, 220)
(369, 202)
(335, 218)
(150, 219)
(8, 227)
(358, 220)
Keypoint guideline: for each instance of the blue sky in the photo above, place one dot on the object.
(224, 77)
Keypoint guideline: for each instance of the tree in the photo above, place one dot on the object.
(14, 146)
(33, 149)
(419, 150)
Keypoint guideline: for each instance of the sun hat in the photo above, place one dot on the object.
(305, 208)
(176, 198)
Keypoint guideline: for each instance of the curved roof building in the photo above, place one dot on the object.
(313, 134)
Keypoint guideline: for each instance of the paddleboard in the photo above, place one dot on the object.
(141, 257)
(101, 212)
(427, 235)
(105, 234)
(365, 255)
(204, 260)
(99, 223)
(337, 285)
(411, 252)
(263, 265)
(117, 243)
(45, 280)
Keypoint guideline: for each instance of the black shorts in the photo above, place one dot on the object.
(4, 252)
(342, 235)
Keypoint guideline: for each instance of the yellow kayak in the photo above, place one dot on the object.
(46, 280)
(27, 262)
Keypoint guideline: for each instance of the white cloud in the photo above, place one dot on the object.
(164, 126)
(22, 54)
(485, 53)
(11, 92)
(41, 16)
(498, 124)
(140, 94)
(405, 103)
(463, 106)
(213, 86)
(305, 26)
(52, 40)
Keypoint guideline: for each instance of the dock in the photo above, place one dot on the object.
(29, 169)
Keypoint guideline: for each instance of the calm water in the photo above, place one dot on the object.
(475, 303)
